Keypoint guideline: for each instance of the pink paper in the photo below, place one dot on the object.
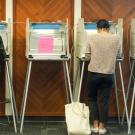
(45, 44)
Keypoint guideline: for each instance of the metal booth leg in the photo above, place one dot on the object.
(11, 95)
(68, 79)
(23, 107)
(117, 99)
(123, 90)
(80, 84)
(66, 83)
(129, 84)
(131, 110)
(25, 89)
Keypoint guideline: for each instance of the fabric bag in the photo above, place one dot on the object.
(77, 118)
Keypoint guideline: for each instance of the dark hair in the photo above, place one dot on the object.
(103, 23)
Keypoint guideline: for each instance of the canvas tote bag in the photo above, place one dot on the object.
(77, 118)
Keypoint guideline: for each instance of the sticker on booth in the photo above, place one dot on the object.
(45, 44)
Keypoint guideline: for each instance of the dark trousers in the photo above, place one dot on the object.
(99, 88)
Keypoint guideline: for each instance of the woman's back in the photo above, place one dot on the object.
(104, 49)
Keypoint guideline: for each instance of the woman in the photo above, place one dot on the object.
(103, 48)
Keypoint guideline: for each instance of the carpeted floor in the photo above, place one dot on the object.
(56, 128)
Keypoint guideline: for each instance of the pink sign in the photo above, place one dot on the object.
(45, 44)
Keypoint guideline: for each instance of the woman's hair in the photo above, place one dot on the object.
(103, 23)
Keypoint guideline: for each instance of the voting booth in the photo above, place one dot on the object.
(5, 33)
(84, 29)
(132, 73)
(46, 41)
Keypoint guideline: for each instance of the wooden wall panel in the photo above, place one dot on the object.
(47, 94)
(112, 10)
(96, 9)
(2, 75)
(2, 9)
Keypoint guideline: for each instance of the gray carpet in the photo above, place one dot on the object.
(57, 128)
